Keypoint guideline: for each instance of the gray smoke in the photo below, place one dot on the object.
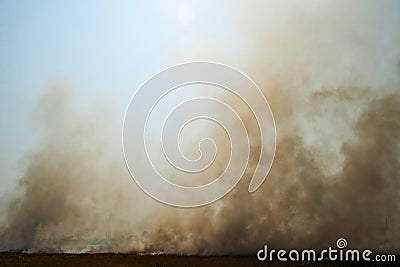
(330, 72)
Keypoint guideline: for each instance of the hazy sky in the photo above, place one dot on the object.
(329, 69)
(101, 50)
(104, 50)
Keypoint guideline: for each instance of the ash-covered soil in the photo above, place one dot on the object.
(108, 259)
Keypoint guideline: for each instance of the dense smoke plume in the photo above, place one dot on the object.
(331, 73)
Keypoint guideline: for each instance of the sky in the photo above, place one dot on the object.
(99, 50)
(106, 51)
(330, 72)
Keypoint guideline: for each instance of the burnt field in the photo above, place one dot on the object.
(108, 259)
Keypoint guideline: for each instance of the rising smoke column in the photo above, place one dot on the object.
(332, 79)
(331, 75)
(74, 182)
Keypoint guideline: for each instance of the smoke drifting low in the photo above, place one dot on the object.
(331, 76)
(74, 185)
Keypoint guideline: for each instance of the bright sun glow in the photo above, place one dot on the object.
(186, 15)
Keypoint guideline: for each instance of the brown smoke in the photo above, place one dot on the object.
(332, 79)
(74, 184)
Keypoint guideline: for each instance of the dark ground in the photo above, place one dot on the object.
(25, 259)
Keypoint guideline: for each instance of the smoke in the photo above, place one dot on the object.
(72, 185)
(330, 72)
